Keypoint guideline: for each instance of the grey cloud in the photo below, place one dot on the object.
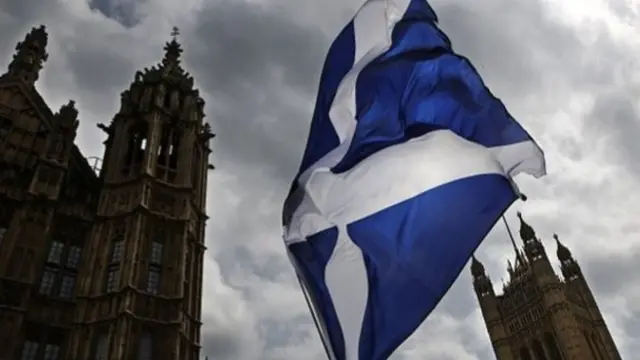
(262, 46)
(610, 274)
(98, 71)
(251, 61)
(122, 11)
(615, 117)
(625, 9)
(510, 42)
(257, 67)
(23, 10)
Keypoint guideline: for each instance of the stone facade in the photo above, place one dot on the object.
(539, 315)
(103, 263)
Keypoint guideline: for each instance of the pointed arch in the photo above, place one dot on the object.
(538, 350)
(167, 152)
(525, 354)
(552, 346)
(136, 146)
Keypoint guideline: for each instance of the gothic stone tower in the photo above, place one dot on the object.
(540, 316)
(102, 265)
(140, 296)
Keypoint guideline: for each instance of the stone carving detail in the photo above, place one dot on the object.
(48, 179)
(162, 202)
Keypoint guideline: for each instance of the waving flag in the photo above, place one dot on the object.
(408, 166)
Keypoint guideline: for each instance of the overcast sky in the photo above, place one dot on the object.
(569, 70)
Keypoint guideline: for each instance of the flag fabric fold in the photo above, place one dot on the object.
(408, 165)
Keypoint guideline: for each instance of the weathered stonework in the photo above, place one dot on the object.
(102, 264)
(540, 316)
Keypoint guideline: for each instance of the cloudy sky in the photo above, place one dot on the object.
(568, 70)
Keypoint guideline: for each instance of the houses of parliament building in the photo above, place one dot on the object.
(102, 264)
(539, 315)
(106, 264)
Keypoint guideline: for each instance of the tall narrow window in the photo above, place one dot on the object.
(145, 347)
(153, 280)
(167, 155)
(113, 280)
(73, 259)
(552, 347)
(66, 287)
(29, 350)
(102, 348)
(538, 350)
(55, 252)
(117, 251)
(156, 252)
(136, 148)
(51, 352)
(48, 280)
(525, 354)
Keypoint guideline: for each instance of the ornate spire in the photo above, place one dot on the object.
(519, 258)
(477, 269)
(563, 253)
(526, 231)
(173, 50)
(168, 71)
(30, 56)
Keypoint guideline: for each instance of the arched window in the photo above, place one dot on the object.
(117, 249)
(167, 154)
(137, 137)
(145, 347)
(525, 354)
(538, 350)
(552, 347)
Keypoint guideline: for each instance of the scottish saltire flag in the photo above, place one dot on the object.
(407, 167)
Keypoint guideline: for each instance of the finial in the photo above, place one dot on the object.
(477, 269)
(562, 252)
(172, 49)
(30, 56)
(174, 33)
(526, 231)
(68, 114)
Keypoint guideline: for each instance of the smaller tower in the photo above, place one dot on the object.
(147, 251)
(595, 331)
(29, 57)
(538, 315)
(53, 164)
(533, 248)
(490, 310)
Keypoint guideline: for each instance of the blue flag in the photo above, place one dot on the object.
(408, 165)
